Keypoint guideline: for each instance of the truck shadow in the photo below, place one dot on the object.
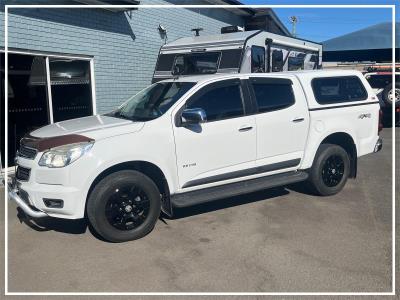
(54, 224)
(300, 187)
(81, 226)
(262, 195)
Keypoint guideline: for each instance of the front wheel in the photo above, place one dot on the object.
(330, 170)
(124, 206)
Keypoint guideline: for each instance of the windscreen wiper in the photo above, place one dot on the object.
(118, 114)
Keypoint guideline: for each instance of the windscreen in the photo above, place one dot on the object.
(152, 102)
(196, 63)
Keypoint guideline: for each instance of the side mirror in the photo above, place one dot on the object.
(193, 116)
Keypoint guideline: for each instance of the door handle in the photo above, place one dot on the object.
(245, 128)
(297, 120)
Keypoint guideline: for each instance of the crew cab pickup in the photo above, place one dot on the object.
(189, 140)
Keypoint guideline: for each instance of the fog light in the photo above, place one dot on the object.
(53, 203)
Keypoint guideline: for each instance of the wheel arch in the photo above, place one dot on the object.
(346, 141)
(147, 168)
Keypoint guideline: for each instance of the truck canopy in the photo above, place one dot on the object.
(236, 52)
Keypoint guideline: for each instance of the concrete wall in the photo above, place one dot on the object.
(124, 45)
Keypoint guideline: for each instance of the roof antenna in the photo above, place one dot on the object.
(197, 30)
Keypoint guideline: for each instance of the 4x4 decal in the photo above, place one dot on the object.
(363, 116)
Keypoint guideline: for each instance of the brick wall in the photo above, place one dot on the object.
(124, 45)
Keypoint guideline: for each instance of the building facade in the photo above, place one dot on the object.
(72, 62)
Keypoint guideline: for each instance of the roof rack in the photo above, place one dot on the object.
(382, 68)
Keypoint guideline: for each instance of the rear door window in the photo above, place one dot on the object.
(330, 90)
(272, 93)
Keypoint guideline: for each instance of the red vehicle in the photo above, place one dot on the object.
(379, 77)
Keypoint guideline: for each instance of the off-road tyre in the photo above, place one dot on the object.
(105, 211)
(330, 170)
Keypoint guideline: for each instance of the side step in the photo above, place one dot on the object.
(237, 188)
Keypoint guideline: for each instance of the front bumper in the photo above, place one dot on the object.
(30, 197)
(13, 195)
(378, 145)
(45, 185)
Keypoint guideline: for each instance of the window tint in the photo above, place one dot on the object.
(221, 102)
(272, 94)
(165, 62)
(230, 58)
(257, 59)
(338, 89)
(196, 63)
(277, 60)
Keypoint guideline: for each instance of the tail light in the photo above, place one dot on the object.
(380, 124)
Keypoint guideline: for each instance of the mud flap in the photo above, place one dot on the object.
(166, 206)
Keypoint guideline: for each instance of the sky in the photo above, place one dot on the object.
(320, 24)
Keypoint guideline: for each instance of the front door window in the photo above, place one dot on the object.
(220, 103)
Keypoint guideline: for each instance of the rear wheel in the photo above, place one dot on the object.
(330, 170)
(124, 206)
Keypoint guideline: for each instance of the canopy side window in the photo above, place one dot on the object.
(277, 61)
(257, 59)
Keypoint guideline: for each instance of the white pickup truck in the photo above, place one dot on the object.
(190, 140)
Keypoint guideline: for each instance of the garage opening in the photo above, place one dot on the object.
(42, 90)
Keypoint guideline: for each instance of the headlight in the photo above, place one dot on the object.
(62, 156)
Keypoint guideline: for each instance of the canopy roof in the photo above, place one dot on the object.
(235, 37)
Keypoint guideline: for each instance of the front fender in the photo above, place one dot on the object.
(158, 150)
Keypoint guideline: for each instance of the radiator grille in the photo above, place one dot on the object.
(27, 152)
(23, 173)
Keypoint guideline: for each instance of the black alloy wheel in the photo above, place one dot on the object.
(333, 170)
(330, 170)
(127, 207)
